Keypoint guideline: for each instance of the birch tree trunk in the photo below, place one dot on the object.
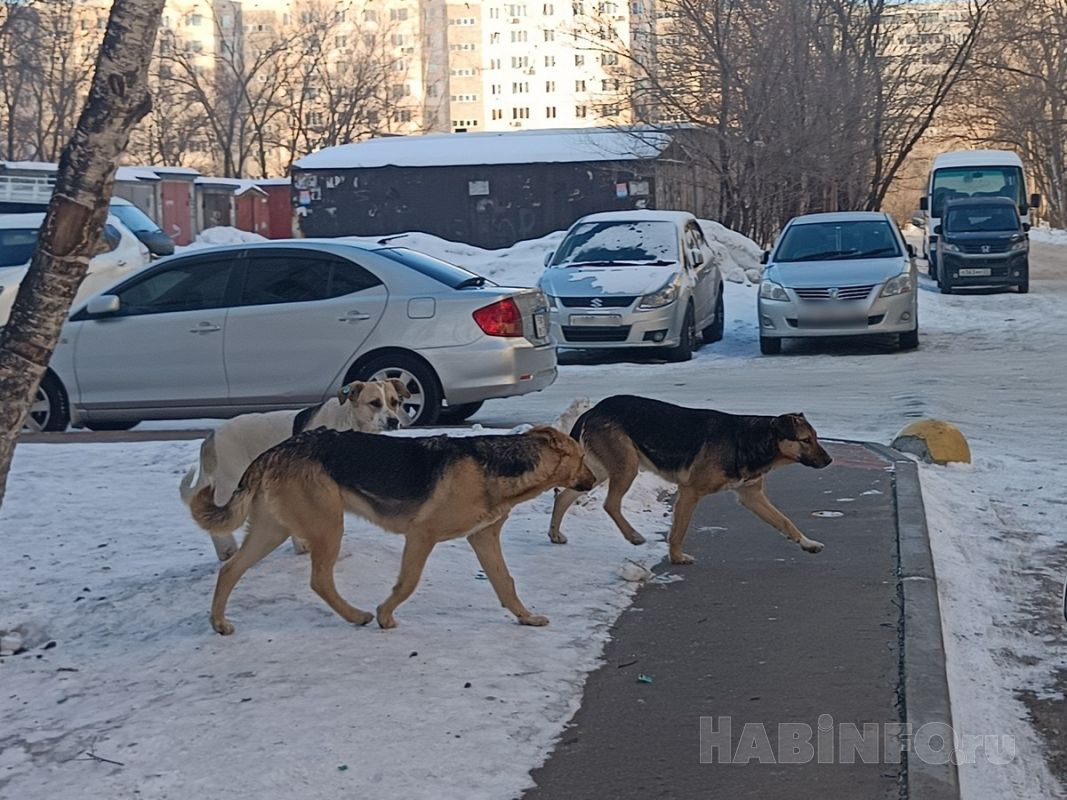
(118, 100)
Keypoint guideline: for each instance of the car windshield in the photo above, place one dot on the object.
(441, 271)
(976, 219)
(134, 218)
(16, 246)
(955, 182)
(619, 244)
(837, 241)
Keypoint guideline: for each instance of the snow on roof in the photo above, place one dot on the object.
(239, 185)
(978, 158)
(186, 171)
(562, 145)
(29, 166)
(136, 174)
(274, 181)
(641, 215)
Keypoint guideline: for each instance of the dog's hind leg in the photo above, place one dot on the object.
(265, 533)
(684, 506)
(325, 547)
(416, 550)
(486, 544)
(753, 498)
(622, 478)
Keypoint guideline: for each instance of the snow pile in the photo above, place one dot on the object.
(1049, 236)
(215, 237)
(740, 255)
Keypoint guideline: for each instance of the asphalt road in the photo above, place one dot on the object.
(758, 633)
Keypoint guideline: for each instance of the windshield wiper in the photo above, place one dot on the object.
(472, 281)
(605, 263)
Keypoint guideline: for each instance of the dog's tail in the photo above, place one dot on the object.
(208, 464)
(220, 520)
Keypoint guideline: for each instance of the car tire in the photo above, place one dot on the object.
(1024, 286)
(931, 266)
(945, 287)
(50, 411)
(908, 340)
(424, 405)
(452, 415)
(714, 332)
(770, 346)
(687, 339)
(112, 424)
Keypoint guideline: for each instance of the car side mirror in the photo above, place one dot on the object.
(1026, 227)
(918, 219)
(1035, 200)
(911, 250)
(102, 305)
(924, 203)
(937, 230)
(696, 257)
(548, 256)
(765, 257)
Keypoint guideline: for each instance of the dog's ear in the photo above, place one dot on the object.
(784, 427)
(349, 392)
(401, 387)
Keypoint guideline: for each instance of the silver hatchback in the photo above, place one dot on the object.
(840, 274)
(283, 324)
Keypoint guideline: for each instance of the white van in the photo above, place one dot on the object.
(970, 173)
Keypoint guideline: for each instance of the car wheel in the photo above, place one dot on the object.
(714, 332)
(931, 266)
(945, 286)
(1024, 287)
(424, 405)
(687, 339)
(50, 410)
(909, 340)
(770, 346)
(461, 413)
(112, 424)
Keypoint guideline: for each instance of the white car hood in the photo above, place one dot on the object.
(822, 274)
(591, 281)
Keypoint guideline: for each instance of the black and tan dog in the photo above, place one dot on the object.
(700, 450)
(429, 489)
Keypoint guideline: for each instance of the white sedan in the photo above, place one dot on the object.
(117, 254)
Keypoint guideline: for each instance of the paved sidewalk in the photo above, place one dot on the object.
(759, 632)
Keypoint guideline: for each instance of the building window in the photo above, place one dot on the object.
(341, 40)
(548, 10)
(579, 86)
(520, 113)
(396, 14)
(494, 13)
(580, 112)
(397, 40)
(578, 8)
(550, 61)
(405, 115)
(494, 63)
(520, 62)
(609, 59)
(498, 113)
(550, 112)
(579, 60)
(550, 86)
(195, 20)
(518, 36)
(314, 118)
(550, 36)
(370, 16)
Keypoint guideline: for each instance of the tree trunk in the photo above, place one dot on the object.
(118, 100)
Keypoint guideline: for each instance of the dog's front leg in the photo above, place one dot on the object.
(753, 498)
(486, 544)
(417, 549)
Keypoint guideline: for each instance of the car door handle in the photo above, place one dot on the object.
(205, 327)
(353, 316)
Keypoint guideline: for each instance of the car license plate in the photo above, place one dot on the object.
(975, 272)
(596, 319)
(540, 325)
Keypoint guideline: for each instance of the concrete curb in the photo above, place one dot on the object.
(925, 681)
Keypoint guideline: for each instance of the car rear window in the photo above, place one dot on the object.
(441, 271)
(134, 218)
(838, 241)
(16, 246)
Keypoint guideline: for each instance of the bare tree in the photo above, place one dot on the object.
(118, 99)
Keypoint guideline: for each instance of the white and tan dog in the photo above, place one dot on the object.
(365, 406)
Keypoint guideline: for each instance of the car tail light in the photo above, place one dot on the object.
(502, 318)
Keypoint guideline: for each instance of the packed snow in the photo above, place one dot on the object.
(107, 564)
(1049, 236)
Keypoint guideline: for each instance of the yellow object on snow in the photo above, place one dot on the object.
(933, 440)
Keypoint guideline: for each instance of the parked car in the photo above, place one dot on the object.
(117, 254)
(841, 274)
(635, 279)
(982, 241)
(145, 228)
(283, 324)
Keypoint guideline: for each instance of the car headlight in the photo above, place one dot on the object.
(1015, 248)
(664, 297)
(769, 290)
(898, 284)
(952, 248)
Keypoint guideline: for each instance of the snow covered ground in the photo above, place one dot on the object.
(101, 558)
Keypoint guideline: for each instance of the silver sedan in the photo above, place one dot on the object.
(283, 324)
(840, 274)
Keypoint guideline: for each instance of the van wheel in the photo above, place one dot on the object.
(50, 410)
(945, 286)
(770, 346)
(714, 332)
(687, 341)
(424, 405)
(1024, 287)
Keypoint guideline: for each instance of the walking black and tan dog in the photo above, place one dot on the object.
(700, 450)
(429, 489)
